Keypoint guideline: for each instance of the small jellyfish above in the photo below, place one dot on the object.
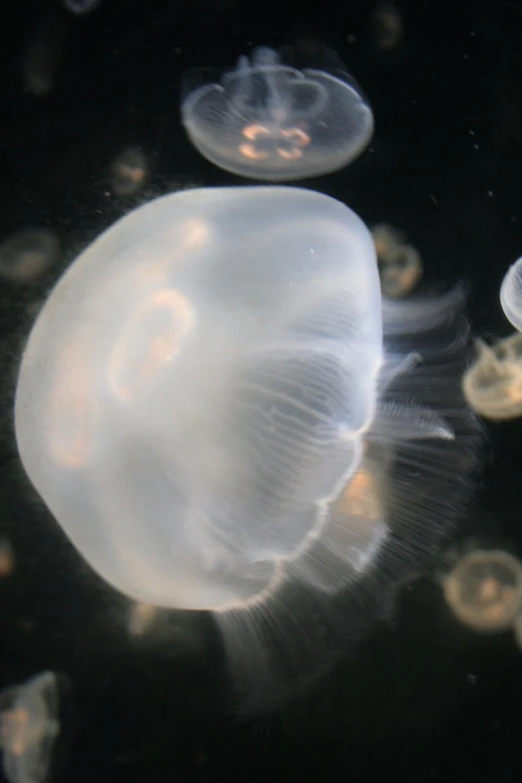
(400, 265)
(492, 385)
(209, 407)
(484, 590)
(511, 295)
(29, 728)
(267, 120)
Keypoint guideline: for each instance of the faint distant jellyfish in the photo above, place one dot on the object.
(26, 255)
(81, 6)
(268, 120)
(511, 294)
(400, 266)
(141, 617)
(218, 425)
(44, 55)
(7, 559)
(28, 728)
(492, 385)
(517, 629)
(129, 172)
(484, 590)
(388, 26)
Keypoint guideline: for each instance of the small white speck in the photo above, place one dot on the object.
(351, 39)
(471, 678)
(434, 199)
(490, 193)
(464, 56)
(476, 147)
(471, 133)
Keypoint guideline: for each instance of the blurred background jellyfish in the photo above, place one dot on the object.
(492, 384)
(511, 294)
(400, 265)
(484, 590)
(29, 728)
(208, 407)
(279, 117)
(27, 254)
(129, 172)
(81, 7)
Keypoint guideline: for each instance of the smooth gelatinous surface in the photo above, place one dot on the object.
(268, 120)
(493, 384)
(28, 728)
(511, 294)
(484, 590)
(195, 391)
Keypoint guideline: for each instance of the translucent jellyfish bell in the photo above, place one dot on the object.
(205, 370)
(28, 728)
(208, 407)
(268, 120)
(492, 385)
(511, 294)
(484, 590)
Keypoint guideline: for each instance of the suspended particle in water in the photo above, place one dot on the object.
(27, 254)
(492, 385)
(484, 590)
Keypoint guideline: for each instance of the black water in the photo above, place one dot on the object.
(422, 699)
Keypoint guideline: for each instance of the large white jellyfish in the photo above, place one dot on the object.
(511, 294)
(269, 120)
(207, 407)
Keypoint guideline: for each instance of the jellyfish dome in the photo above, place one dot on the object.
(511, 294)
(194, 391)
(268, 120)
(223, 414)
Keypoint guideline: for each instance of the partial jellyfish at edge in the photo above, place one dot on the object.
(511, 295)
(492, 384)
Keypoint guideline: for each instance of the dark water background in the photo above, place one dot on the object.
(424, 699)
